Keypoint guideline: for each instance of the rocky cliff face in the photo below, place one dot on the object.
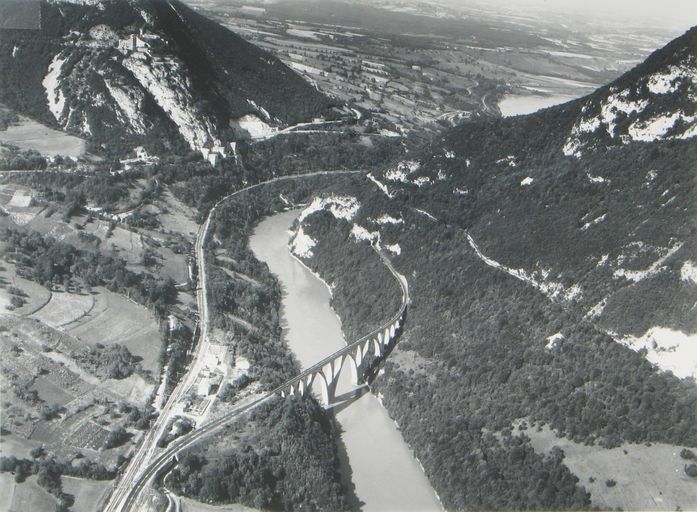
(132, 71)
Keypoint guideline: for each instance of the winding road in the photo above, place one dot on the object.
(149, 460)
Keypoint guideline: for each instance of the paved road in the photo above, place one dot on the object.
(137, 470)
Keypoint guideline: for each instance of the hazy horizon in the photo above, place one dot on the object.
(673, 14)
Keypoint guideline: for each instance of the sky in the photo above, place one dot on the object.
(661, 13)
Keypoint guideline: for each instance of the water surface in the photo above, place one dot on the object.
(385, 473)
(515, 105)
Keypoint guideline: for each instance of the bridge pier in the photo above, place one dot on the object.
(359, 356)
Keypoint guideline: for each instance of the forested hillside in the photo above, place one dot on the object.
(551, 265)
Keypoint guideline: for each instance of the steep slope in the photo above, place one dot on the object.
(146, 70)
(548, 283)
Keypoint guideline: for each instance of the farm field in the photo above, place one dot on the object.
(17, 201)
(648, 477)
(7, 488)
(64, 308)
(188, 505)
(39, 360)
(29, 134)
(103, 317)
(25, 497)
(116, 319)
(13, 446)
(176, 216)
(172, 265)
(88, 493)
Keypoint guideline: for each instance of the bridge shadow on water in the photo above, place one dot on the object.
(355, 503)
(344, 400)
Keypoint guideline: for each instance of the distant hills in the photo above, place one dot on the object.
(148, 72)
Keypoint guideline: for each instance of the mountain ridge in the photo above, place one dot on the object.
(557, 287)
(144, 70)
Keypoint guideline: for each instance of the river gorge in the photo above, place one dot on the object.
(380, 464)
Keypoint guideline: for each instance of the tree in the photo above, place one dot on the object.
(116, 438)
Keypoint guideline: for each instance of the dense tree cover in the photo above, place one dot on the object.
(293, 154)
(13, 158)
(230, 389)
(107, 191)
(632, 184)
(478, 337)
(256, 300)
(375, 295)
(287, 461)
(47, 261)
(7, 117)
(197, 184)
(175, 354)
(107, 362)
(116, 437)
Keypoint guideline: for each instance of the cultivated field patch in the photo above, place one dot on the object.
(34, 295)
(189, 505)
(38, 374)
(19, 204)
(7, 490)
(51, 393)
(14, 446)
(175, 216)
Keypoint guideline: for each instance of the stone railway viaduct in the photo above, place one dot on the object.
(361, 355)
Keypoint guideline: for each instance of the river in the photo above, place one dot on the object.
(515, 105)
(384, 471)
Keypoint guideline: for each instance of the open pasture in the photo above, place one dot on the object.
(65, 308)
(28, 134)
(647, 477)
(105, 317)
(89, 494)
(18, 202)
(38, 358)
(189, 505)
(35, 295)
(175, 216)
(27, 496)
(51, 393)
(15, 446)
